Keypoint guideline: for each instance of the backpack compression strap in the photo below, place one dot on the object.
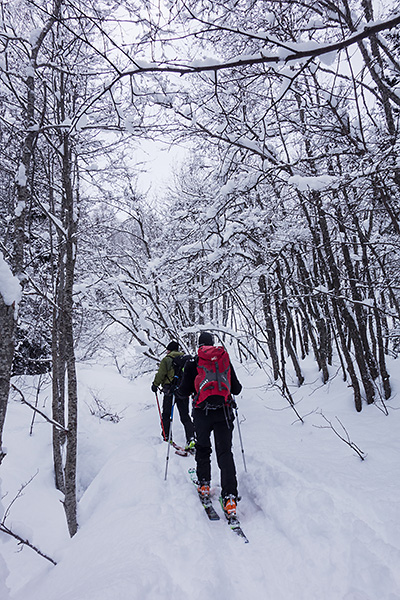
(213, 374)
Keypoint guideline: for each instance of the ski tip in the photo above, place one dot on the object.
(239, 532)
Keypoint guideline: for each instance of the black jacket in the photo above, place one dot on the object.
(189, 375)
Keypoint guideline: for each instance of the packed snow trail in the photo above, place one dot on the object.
(321, 523)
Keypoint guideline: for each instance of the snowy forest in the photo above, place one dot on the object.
(278, 229)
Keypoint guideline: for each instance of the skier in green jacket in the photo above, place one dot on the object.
(165, 378)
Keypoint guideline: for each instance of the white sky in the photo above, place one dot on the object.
(160, 161)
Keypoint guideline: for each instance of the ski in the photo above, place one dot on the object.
(179, 450)
(207, 504)
(234, 524)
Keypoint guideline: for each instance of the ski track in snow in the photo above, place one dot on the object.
(321, 524)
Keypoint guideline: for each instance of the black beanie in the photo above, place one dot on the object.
(206, 339)
(172, 346)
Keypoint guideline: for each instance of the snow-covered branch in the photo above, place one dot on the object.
(294, 52)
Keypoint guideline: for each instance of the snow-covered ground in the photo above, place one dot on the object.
(322, 523)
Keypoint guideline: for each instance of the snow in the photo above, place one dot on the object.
(30, 71)
(228, 188)
(10, 287)
(82, 122)
(19, 208)
(20, 177)
(328, 58)
(311, 183)
(322, 523)
(129, 124)
(34, 36)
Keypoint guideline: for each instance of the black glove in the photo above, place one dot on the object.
(233, 403)
(154, 387)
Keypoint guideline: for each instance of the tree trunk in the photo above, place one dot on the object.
(70, 504)
(7, 328)
(58, 383)
(287, 323)
(269, 325)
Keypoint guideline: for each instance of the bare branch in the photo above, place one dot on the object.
(5, 529)
(58, 425)
(346, 439)
(18, 495)
(8, 531)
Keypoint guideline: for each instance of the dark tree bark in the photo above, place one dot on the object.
(269, 325)
(7, 337)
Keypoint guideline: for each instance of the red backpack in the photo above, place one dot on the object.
(213, 377)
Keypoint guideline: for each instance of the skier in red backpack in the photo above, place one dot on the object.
(211, 379)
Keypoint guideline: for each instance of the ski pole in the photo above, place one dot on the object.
(161, 421)
(240, 437)
(169, 437)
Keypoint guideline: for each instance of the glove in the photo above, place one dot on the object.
(154, 388)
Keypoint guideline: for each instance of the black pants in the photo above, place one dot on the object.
(182, 404)
(220, 421)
